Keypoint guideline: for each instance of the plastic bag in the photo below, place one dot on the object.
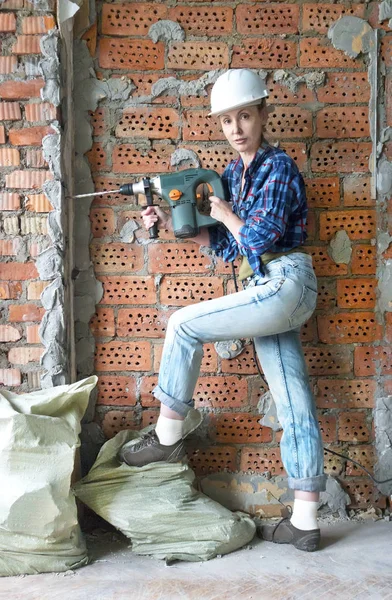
(39, 530)
(159, 509)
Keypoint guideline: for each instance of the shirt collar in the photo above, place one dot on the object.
(254, 163)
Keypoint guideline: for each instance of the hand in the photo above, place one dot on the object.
(154, 214)
(220, 209)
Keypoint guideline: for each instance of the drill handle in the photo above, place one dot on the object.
(142, 187)
(153, 231)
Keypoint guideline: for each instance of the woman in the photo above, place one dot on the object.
(264, 223)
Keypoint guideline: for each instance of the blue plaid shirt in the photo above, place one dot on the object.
(272, 205)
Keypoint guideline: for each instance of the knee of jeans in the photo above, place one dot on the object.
(177, 319)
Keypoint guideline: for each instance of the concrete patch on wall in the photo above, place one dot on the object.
(340, 248)
(166, 31)
(312, 80)
(385, 11)
(181, 156)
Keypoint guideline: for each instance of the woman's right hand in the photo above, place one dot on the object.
(154, 214)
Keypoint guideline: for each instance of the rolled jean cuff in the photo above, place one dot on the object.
(308, 484)
(178, 406)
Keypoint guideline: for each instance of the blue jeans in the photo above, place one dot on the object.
(271, 310)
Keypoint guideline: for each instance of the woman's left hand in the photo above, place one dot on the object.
(220, 209)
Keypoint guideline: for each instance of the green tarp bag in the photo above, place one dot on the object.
(39, 434)
(157, 507)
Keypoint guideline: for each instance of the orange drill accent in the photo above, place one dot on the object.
(175, 194)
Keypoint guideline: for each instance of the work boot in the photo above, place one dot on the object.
(285, 533)
(149, 450)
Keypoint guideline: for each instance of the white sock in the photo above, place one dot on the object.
(304, 514)
(169, 431)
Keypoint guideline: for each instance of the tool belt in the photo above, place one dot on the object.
(246, 270)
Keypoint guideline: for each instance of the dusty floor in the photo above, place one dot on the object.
(355, 562)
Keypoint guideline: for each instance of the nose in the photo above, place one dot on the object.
(236, 126)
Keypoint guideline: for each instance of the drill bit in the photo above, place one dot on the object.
(95, 194)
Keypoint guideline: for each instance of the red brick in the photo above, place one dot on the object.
(144, 83)
(40, 111)
(8, 64)
(10, 291)
(346, 393)
(204, 56)
(41, 24)
(213, 459)
(309, 331)
(262, 460)
(128, 290)
(29, 136)
(9, 157)
(363, 261)
(319, 52)
(358, 224)
(141, 55)
(356, 293)
(116, 258)
(328, 361)
(322, 192)
(198, 126)
(370, 360)
(203, 21)
(35, 289)
(102, 323)
(149, 417)
(38, 203)
(135, 19)
(142, 322)
(298, 153)
(180, 291)
(27, 44)
(128, 158)
(9, 247)
(363, 454)
(14, 271)
(10, 4)
(151, 123)
(357, 191)
(10, 111)
(221, 392)
(9, 333)
(146, 388)
(346, 328)
(32, 334)
(267, 19)
(353, 427)
(239, 428)
(102, 222)
(18, 90)
(343, 122)
(319, 17)
(373, 17)
(7, 22)
(23, 355)
(215, 157)
(386, 50)
(115, 421)
(345, 87)
(9, 201)
(363, 493)
(323, 265)
(25, 312)
(90, 37)
(10, 377)
(265, 53)
(342, 157)
(2, 134)
(289, 122)
(242, 364)
(280, 93)
(177, 258)
(97, 157)
(104, 183)
(327, 295)
(123, 356)
(34, 158)
(116, 390)
(327, 424)
(27, 179)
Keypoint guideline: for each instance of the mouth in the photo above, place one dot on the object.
(240, 141)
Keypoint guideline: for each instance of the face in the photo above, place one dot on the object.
(243, 128)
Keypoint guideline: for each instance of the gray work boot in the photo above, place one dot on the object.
(285, 533)
(149, 450)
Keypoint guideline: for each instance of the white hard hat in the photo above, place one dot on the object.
(236, 88)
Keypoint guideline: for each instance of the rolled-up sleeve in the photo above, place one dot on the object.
(223, 243)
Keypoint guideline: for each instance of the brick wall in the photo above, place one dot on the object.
(326, 130)
(23, 207)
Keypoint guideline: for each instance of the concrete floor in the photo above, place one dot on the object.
(355, 562)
